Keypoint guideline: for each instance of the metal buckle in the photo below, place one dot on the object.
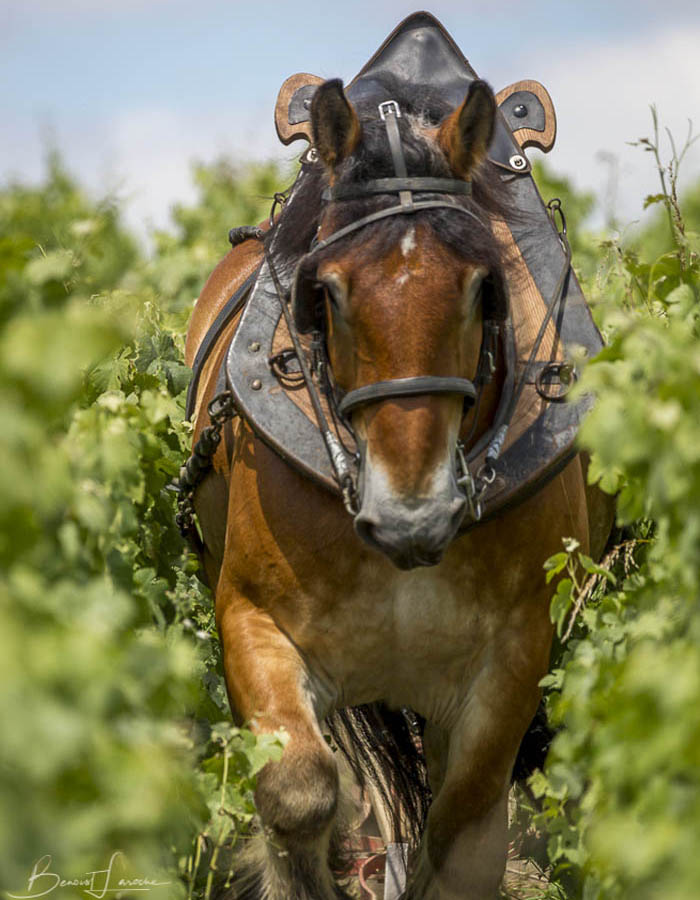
(386, 106)
(466, 482)
(222, 407)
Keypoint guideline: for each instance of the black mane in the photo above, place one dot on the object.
(469, 236)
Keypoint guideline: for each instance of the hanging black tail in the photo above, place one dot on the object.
(384, 746)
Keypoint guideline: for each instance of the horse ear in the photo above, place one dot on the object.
(334, 124)
(465, 134)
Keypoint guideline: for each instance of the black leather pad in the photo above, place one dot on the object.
(421, 56)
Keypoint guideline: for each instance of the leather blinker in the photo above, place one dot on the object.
(306, 297)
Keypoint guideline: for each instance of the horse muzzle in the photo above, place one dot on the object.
(411, 531)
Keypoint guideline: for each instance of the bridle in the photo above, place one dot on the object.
(405, 187)
(342, 463)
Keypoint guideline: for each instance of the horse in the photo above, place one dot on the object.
(424, 645)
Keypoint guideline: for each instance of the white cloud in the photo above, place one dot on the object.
(602, 95)
(142, 155)
(601, 91)
(152, 151)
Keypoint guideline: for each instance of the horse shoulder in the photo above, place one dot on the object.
(227, 277)
(211, 495)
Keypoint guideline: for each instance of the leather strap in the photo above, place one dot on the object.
(396, 185)
(406, 387)
(233, 304)
(385, 214)
(390, 113)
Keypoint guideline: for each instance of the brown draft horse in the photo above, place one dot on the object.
(316, 615)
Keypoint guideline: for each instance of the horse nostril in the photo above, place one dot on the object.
(364, 528)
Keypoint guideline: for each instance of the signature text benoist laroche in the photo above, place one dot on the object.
(99, 883)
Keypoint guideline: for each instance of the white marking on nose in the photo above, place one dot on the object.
(408, 241)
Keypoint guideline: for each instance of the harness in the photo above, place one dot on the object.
(344, 468)
(344, 465)
(532, 435)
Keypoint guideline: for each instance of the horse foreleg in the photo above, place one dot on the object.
(297, 797)
(464, 847)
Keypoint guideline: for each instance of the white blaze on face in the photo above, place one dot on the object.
(407, 244)
(380, 491)
(408, 241)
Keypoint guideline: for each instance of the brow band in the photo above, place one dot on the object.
(396, 185)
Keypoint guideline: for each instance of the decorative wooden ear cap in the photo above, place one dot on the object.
(293, 107)
(525, 105)
(529, 112)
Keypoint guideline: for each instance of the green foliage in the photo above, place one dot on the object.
(226, 778)
(660, 236)
(117, 732)
(229, 196)
(621, 791)
(54, 239)
(115, 713)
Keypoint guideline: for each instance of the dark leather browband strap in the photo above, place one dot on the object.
(406, 387)
(385, 214)
(396, 185)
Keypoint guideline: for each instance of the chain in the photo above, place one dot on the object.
(474, 487)
(220, 410)
(351, 501)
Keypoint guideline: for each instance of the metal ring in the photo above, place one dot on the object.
(486, 475)
(279, 363)
(566, 372)
(555, 208)
(279, 199)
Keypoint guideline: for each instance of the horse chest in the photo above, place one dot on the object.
(418, 638)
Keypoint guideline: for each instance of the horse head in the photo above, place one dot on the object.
(400, 298)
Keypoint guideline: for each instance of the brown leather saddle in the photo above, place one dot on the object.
(420, 57)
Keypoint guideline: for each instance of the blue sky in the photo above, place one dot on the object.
(131, 92)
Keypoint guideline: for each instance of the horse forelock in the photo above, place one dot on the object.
(472, 238)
